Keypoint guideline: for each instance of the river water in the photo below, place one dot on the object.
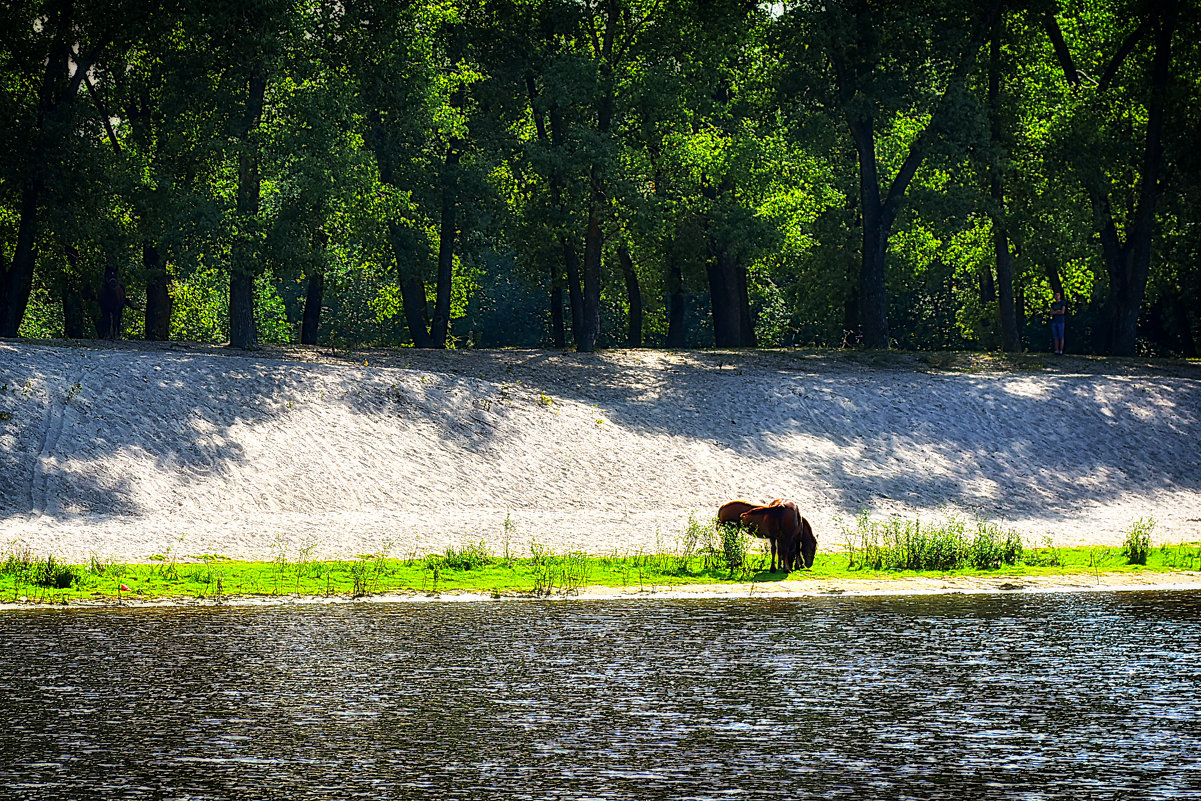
(1072, 696)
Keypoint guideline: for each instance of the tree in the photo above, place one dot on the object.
(878, 58)
(54, 44)
(1124, 187)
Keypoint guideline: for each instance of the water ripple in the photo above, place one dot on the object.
(951, 697)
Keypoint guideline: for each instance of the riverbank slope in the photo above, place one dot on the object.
(124, 452)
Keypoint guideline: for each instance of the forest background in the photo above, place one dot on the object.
(595, 173)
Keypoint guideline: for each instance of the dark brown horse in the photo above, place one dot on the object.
(804, 540)
(780, 522)
(807, 543)
(113, 301)
(731, 514)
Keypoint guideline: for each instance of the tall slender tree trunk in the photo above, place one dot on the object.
(746, 325)
(412, 287)
(55, 96)
(1129, 265)
(575, 297)
(593, 243)
(314, 296)
(440, 326)
(242, 330)
(724, 299)
(593, 235)
(558, 332)
(633, 297)
(879, 208)
(18, 280)
(74, 316)
(675, 303)
(873, 300)
(158, 294)
(554, 139)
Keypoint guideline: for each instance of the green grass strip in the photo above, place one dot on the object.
(475, 570)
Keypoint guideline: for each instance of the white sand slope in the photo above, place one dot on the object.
(127, 451)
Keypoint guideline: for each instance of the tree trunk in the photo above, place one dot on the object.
(412, 287)
(633, 295)
(314, 296)
(74, 315)
(571, 262)
(440, 326)
(873, 302)
(593, 241)
(242, 330)
(675, 303)
(557, 331)
(879, 212)
(988, 288)
(1130, 265)
(57, 92)
(1010, 337)
(158, 295)
(724, 300)
(746, 325)
(593, 236)
(18, 280)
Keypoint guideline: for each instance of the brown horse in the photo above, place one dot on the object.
(732, 514)
(804, 540)
(807, 543)
(780, 523)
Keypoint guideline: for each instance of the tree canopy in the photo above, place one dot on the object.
(599, 173)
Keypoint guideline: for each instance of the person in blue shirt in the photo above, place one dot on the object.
(1059, 310)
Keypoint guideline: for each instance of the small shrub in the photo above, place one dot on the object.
(1137, 545)
(909, 545)
(469, 557)
(992, 548)
(734, 544)
(17, 563)
(52, 574)
(694, 535)
(362, 576)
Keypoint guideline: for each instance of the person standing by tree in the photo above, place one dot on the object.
(1059, 310)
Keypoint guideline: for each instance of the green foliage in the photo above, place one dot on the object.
(26, 578)
(1137, 544)
(732, 548)
(897, 544)
(48, 573)
(469, 557)
(725, 131)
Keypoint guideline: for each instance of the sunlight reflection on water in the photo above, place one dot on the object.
(1036, 697)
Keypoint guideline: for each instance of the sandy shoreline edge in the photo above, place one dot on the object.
(1176, 581)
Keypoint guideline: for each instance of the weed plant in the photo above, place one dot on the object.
(897, 544)
(1137, 545)
(469, 557)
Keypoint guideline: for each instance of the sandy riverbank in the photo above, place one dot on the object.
(126, 451)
